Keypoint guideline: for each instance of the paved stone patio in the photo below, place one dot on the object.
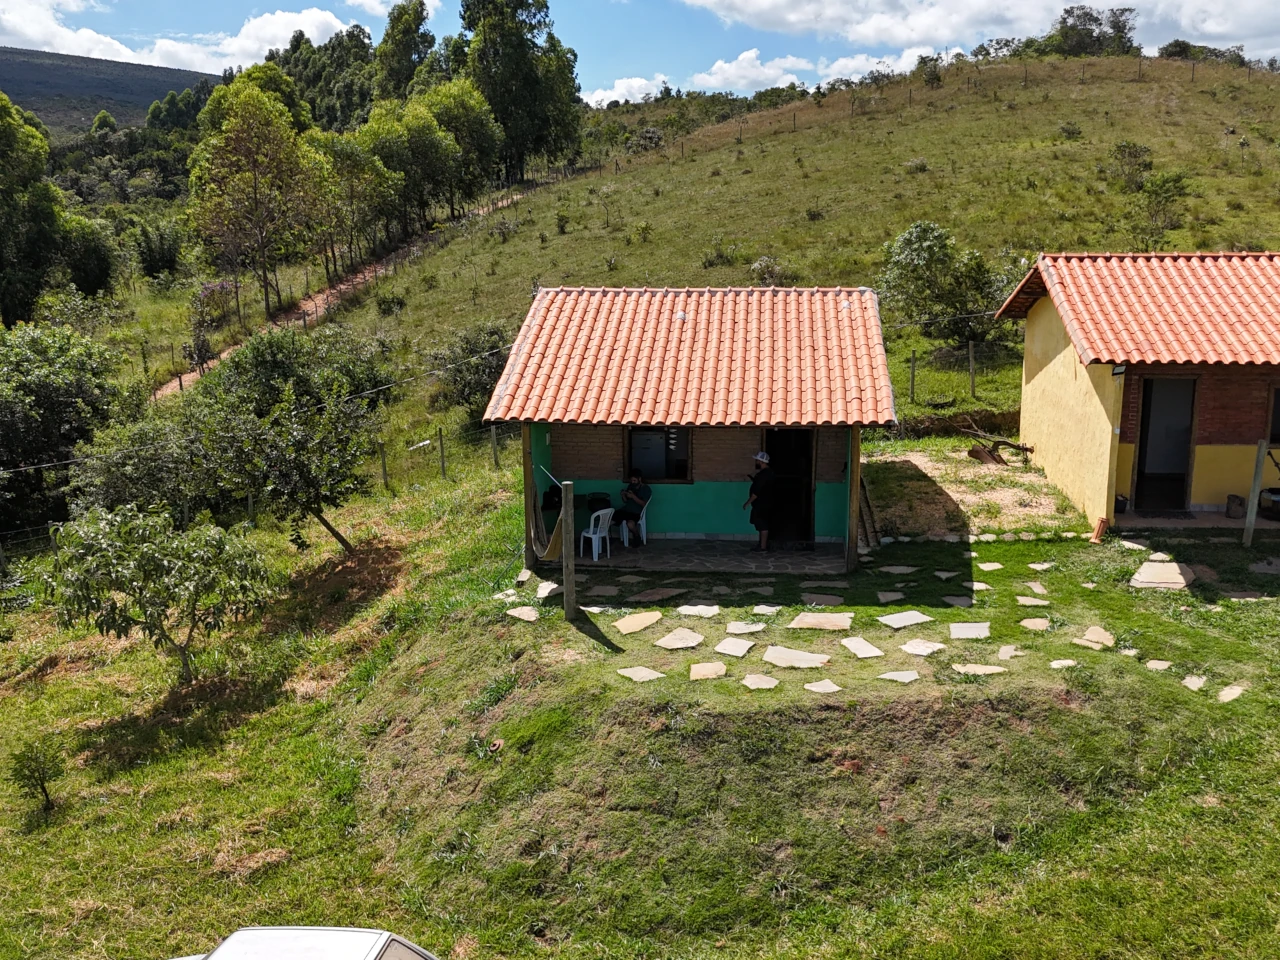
(717, 556)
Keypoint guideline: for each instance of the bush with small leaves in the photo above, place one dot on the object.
(430, 281)
(772, 272)
(719, 255)
(644, 231)
(814, 214)
(389, 303)
(917, 165)
(35, 766)
(1070, 131)
(562, 223)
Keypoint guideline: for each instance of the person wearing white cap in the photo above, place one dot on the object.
(760, 500)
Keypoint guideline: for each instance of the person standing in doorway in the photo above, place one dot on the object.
(760, 500)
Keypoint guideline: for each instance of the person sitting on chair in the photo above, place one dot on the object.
(635, 496)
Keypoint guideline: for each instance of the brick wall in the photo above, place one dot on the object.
(833, 454)
(724, 453)
(1233, 403)
(587, 452)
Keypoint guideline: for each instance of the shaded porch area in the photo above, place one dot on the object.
(714, 556)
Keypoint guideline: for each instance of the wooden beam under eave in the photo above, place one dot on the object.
(855, 498)
(530, 495)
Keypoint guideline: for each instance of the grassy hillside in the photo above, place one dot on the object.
(386, 747)
(67, 92)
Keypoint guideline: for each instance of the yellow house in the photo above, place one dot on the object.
(1151, 377)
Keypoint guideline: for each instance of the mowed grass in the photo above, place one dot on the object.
(386, 747)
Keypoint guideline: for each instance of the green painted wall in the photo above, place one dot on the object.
(707, 507)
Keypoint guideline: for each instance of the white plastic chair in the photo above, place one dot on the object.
(642, 524)
(597, 530)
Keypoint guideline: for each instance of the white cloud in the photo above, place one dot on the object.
(860, 64)
(748, 73)
(626, 88)
(380, 8)
(39, 25)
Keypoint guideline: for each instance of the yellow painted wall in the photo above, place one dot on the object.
(1124, 469)
(1220, 470)
(1070, 414)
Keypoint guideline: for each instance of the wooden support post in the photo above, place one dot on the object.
(493, 442)
(566, 551)
(855, 498)
(793, 121)
(440, 440)
(1193, 71)
(180, 388)
(382, 452)
(913, 376)
(1255, 493)
(973, 373)
(530, 494)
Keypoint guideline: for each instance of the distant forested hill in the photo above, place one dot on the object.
(67, 92)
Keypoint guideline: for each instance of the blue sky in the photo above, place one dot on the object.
(626, 47)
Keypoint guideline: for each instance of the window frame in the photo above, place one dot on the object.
(645, 428)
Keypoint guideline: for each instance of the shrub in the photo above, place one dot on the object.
(917, 165)
(772, 272)
(562, 223)
(469, 368)
(34, 767)
(389, 303)
(814, 214)
(1070, 131)
(719, 255)
(158, 246)
(644, 231)
(1130, 164)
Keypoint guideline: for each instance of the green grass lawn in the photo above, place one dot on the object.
(384, 746)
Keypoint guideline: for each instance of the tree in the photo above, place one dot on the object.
(1159, 207)
(1130, 164)
(461, 110)
(271, 80)
(103, 123)
(409, 141)
(335, 78)
(360, 189)
(30, 214)
(251, 181)
(405, 45)
(89, 253)
(34, 766)
(471, 366)
(928, 279)
(130, 569)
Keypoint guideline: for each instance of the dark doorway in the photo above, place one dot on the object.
(791, 457)
(1164, 446)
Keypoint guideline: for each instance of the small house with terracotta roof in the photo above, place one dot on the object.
(688, 386)
(1151, 376)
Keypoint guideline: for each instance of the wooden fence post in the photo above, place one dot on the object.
(570, 583)
(973, 373)
(382, 452)
(913, 376)
(440, 440)
(1255, 493)
(493, 442)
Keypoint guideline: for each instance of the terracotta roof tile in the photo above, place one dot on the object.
(1161, 307)
(740, 357)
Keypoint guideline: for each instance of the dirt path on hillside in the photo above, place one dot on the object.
(314, 306)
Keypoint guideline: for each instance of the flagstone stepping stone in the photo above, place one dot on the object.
(603, 590)
(1162, 576)
(1269, 566)
(1128, 652)
(593, 609)
(523, 577)
(977, 669)
(799, 659)
(1009, 651)
(1036, 587)
(1160, 558)
(758, 681)
(1089, 586)
(656, 594)
(761, 591)
(681, 638)
(842, 584)
(958, 601)
(821, 621)
(735, 646)
(579, 578)
(764, 610)
(1135, 544)
(908, 618)
(822, 600)
(505, 595)
(900, 676)
(698, 610)
(977, 586)
(1227, 694)
(970, 631)
(860, 648)
(1061, 664)
(1039, 624)
(1194, 682)
(720, 591)
(987, 537)
(527, 614)
(1032, 602)
(922, 648)
(890, 596)
(1091, 644)
(631, 578)
(898, 570)
(1159, 665)
(548, 590)
(946, 574)
(990, 567)
(822, 686)
(641, 674)
(636, 622)
(1041, 567)
(1099, 635)
(1244, 596)
(706, 671)
(737, 626)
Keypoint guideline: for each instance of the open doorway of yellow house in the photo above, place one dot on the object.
(1165, 454)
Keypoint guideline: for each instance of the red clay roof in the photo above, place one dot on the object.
(1161, 307)
(743, 357)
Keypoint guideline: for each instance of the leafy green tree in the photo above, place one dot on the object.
(1130, 164)
(34, 767)
(271, 80)
(462, 111)
(929, 280)
(471, 366)
(359, 189)
(55, 390)
(335, 78)
(89, 253)
(406, 42)
(103, 123)
(408, 141)
(252, 179)
(129, 569)
(1159, 207)
(30, 214)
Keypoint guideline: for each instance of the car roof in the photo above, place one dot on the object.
(303, 943)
